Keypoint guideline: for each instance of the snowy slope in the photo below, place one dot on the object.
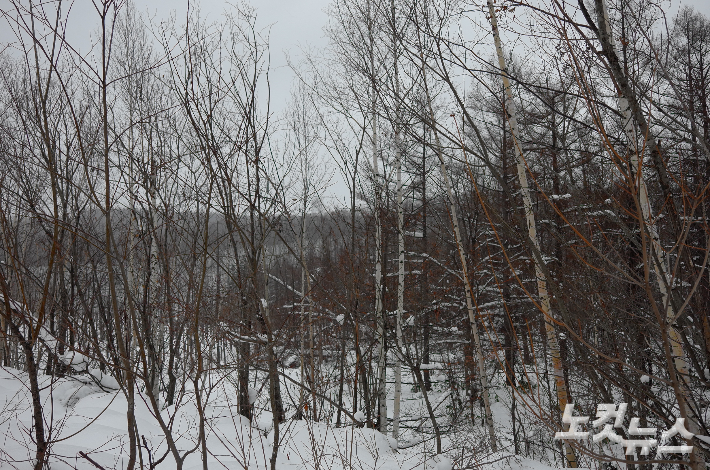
(81, 417)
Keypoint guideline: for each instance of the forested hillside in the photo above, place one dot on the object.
(473, 225)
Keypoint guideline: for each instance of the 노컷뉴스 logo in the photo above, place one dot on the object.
(608, 412)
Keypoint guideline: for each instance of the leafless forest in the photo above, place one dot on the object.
(526, 224)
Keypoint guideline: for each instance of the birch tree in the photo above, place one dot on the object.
(377, 185)
(678, 369)
(560, 383)
(483, 377)
(400, 228)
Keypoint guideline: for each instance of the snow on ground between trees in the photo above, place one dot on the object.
(85, 418)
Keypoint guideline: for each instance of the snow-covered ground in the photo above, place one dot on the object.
(84, 419)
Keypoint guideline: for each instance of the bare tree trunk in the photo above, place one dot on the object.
(420, 381)
(41, 444)
(425, 317)
(198, 380)
(558, 373)
(400, 235)
(3, 342)
(307, 317)
(153, 332)
(302, 316)
(274, 380)
(351, 315)
(301, 333)
(127, 372)
(400, 303)
(312, 366)
(400, 293)
(464, 274)
(379, 311)
(676, 362)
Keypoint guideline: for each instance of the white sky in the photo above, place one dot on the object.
(293, 25)
(290, 24)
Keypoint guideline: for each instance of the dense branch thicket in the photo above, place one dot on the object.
(161, 225)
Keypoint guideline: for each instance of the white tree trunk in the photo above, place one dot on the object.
(400, 292)
(400, 232)
(302, 326)
(464, 274)
(379, 312)
(156, 330)
(132, 223)
(560, 383)
(659, 258)
(660, 265)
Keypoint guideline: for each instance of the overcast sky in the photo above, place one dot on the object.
(292, 26)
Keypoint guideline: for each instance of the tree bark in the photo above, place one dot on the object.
(464, 274)
(560, 383)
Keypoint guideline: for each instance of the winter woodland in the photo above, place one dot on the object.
(521, 252)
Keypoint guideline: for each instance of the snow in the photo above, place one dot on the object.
(88, 412)
(88, 419)
(76, 360)
(335, 447)
(253, 395)
(265, 422)
(605, 213)
(292, 361)
(443, 462)
(340, 319)
(645, 379)
(510, 462)
(105, 380)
